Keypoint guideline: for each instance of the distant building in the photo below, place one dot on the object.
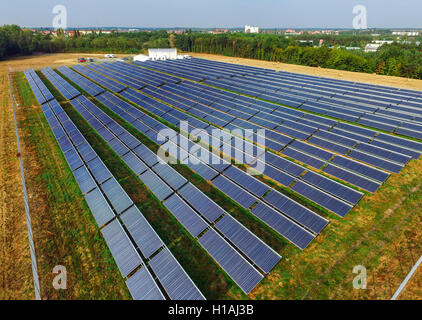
(406, 33)
(250, 29)
(141, 58)
(372, 47)
(162, 53)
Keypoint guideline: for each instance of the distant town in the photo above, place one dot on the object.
(379, 36)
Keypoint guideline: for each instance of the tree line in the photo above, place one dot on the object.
(397, 59)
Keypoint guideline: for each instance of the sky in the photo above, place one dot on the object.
(213, 13)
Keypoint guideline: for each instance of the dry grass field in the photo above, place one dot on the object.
(383, 233)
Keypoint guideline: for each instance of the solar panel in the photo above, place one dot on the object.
(124, 253)
(84, 179)
(99, 207)
(294, 210)
(173, 278)
(185, 215)
(255, 249)
(141, 231)
(99, 170)
(248, 182)
(143, 287)
(235, 192)
(156, 185)
(198, 200)
(246, 276)
(169, 175)
(116, 195)
(134, 163)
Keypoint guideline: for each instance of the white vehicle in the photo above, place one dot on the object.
(110, 55)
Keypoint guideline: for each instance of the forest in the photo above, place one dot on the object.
(397, 59)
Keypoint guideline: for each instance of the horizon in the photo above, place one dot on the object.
(266, 14)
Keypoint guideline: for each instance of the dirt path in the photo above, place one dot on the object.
(397, 82)
(15, 263)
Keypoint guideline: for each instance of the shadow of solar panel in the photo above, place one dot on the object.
(250, 183)
(85, 181)
(255, 249)
(282, 225)
(73, 159)
(124, 253)
(141, 231)
(99, 170)
(333, 187)
(185, 215)
(173, 278)
(134, 163)
(324, 200)
(156, 185)
(361, 168)
(169, 175)
(116, 195)
(245, 276)
(352, 178)
(309, 160)
(235, 192)
(201, 203)
(99, 207)
(297, 212)
(143, 287)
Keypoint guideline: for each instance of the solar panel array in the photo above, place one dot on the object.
(384, 108)
(42, 94)
(99, 78)
(81, 81)
(68, 91)
(107, 200)
(293, 215)
(188, 204)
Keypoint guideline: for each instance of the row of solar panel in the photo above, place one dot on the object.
(390, 156)
(266, 258)
(62, 85)
(247, 199)
(42, 94)
(106, 187)
(99, 78)
(81, 81)
(406, 128)
(302, 157)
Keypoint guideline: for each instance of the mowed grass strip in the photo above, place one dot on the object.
(65, 232)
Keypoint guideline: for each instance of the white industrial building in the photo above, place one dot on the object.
(141, 58)
(250, 29)
(162, 53)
